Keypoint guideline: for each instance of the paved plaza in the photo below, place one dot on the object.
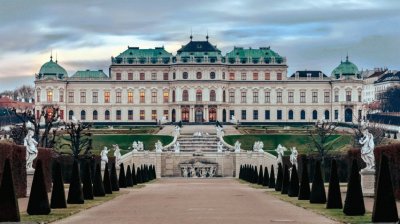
(178, 200)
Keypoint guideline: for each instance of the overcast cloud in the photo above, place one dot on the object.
(85, 34)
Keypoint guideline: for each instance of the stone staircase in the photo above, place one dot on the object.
(190, 143)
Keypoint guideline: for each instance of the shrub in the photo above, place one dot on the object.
(266, 177)
(285, 181)
(272, 178)
(58, 193)
(334, 195)
(354, 202)
(134, 178)
(278, 184)
(107, 181)
(8, 198)
(98, 186)
(122, 178)
(38, 203)
(87, 182)
(294, 183)
(318, 195)
(260, 176)
(129, 182)
(114, 179)
(75, 194)
(17, 156)
(304, 193)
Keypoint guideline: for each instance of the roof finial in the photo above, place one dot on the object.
(51, 55)
(191, 34)
(207, 35)
(347, 57)
(56, 57)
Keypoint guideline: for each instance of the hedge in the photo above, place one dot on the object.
(17, 156)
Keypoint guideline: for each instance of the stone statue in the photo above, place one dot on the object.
(135, 146)
(31, 151)
(293, 156)
(177, 130)
(233, 119)
(212, 171)
(193, 172)
(367, 150)
(177, 147)
(280, 150)
(258, 146)
(140, 146)
(103, 154)
(117, 154)
(158, 146)
(185, 172)
(220, 146)
(237, 146)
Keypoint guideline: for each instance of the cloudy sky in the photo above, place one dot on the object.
(85, 34)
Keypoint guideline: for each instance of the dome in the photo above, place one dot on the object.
(345, 68)
(52, 69)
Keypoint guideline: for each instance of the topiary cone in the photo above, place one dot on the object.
(285, 181)
(38, 199)
(266, 177)
(8, 199)
(98, 186)
(129, 182)
(271, 183)
(75, 193)
(87, 182)
(122, 178)
(334, 195)
(304, 193)
(385, 209)
(354, 202)
(279, 178)
(134, 178)
(318, 195)
(107, 181)
(260, 176)
(58, 193)
(114, 179)
(139, 176)
(293, 190)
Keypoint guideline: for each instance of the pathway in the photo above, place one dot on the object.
(176, 200)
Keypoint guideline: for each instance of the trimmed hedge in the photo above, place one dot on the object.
(17, 156)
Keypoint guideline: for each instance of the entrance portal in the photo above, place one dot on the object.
(199, 115)
(212, 114)
(185, 114)
(348, 115)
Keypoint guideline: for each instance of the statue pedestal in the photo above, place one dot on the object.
(368, 182)
(29, 180)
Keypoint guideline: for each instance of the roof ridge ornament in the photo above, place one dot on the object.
(51, 55)
(207, 36)
(191, 34)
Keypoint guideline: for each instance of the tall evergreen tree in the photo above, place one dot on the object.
(334, 195)
(385, 209)
(75, 193)
(106, 180)
(8, 199)
(98, 186)
(279, 178)
(114, 178)
(129, 182)
(318, 195)
(134, 176)
(58, 193)
(122, 177)
(87, 182)
(285, 181)
(260, 176)
(266, 177)
(38, 199)
(354, 202)
(294, 183)
(271, 183)
(304, 193)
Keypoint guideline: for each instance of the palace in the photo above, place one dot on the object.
(199, 84)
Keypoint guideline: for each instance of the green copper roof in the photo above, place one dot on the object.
(254, 54)
(135, 52)
(52, 68)
(345, 68)
(89, 74)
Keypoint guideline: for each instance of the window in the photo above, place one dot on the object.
(243, 97)
(70, 97)
(268, 97)
(83, 97)
(279, 114)
(107, 115)
(199, 95)
(231, 97)
(267, 76)
(185, 95)
(95, 97)
(165, 76)
(154, 115)
(95, 115)
(243, 76)
(38, 95)
(118, 97)
(141, 76)
(61, 95)
(255, 97)
(173, 95)
(231, 76)
(359, 96)
(326, 115)
(290, 115)
(336, 114)
(290, 97)
(267, 114)
(231, 113)
(118, 76)
(118, 115)
(327, 97)
(130, 97)
(185, 75)
(243, 115)
(165, 96)
(303, 115)
(107, 97)
(49, 95)
(279, 97)
(348, 95)
(142, 96)
(198, 75)
(154, 97)
(166, 114)
(359, 115)
(279, 76)
(70, 114)
(212, 96)
(142, 115)
(130, 76)
(336, 96)
(255, 76)
(153, 76)
(302, 97)
(224, 96)
(255, 114)
(223, 75)
(212, 75)
(130, 115)
(83, 115)
(315, 97)
(314, 115)
(174, 75)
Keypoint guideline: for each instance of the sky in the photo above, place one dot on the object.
(311, 34)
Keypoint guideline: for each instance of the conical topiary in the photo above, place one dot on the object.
(279, 178)
(128, 176)
(134, 178)
(98, 186)
(334, 195)
(354, 202)
(114, 178)
(385, 209)
(294, 183)
(304, 193)
(58, 193)
(318, 195)
(122, 178)
(271, 183)
(285, 181)
(8, 199)
(75, 193)
(87, 182)
(260, 176)
(107, 181)
(266, 177)
(139, 176)
(38, 199)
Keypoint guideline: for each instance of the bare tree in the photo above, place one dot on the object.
(390, 100)
(320, 136)
(79, 138)
(25, 91)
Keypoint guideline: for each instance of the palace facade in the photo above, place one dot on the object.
(199, 84)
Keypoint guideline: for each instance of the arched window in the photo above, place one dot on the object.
(326, 115)
(83, 115)
(314, 115)
(212, 75)
(95, 115)
(173, 95)
(290, 115)
(212, 95)
(199, 95)
(302, 115)
(185, 95)
(107, 115)
(70, 114)
(198, 75)
(185, 75)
